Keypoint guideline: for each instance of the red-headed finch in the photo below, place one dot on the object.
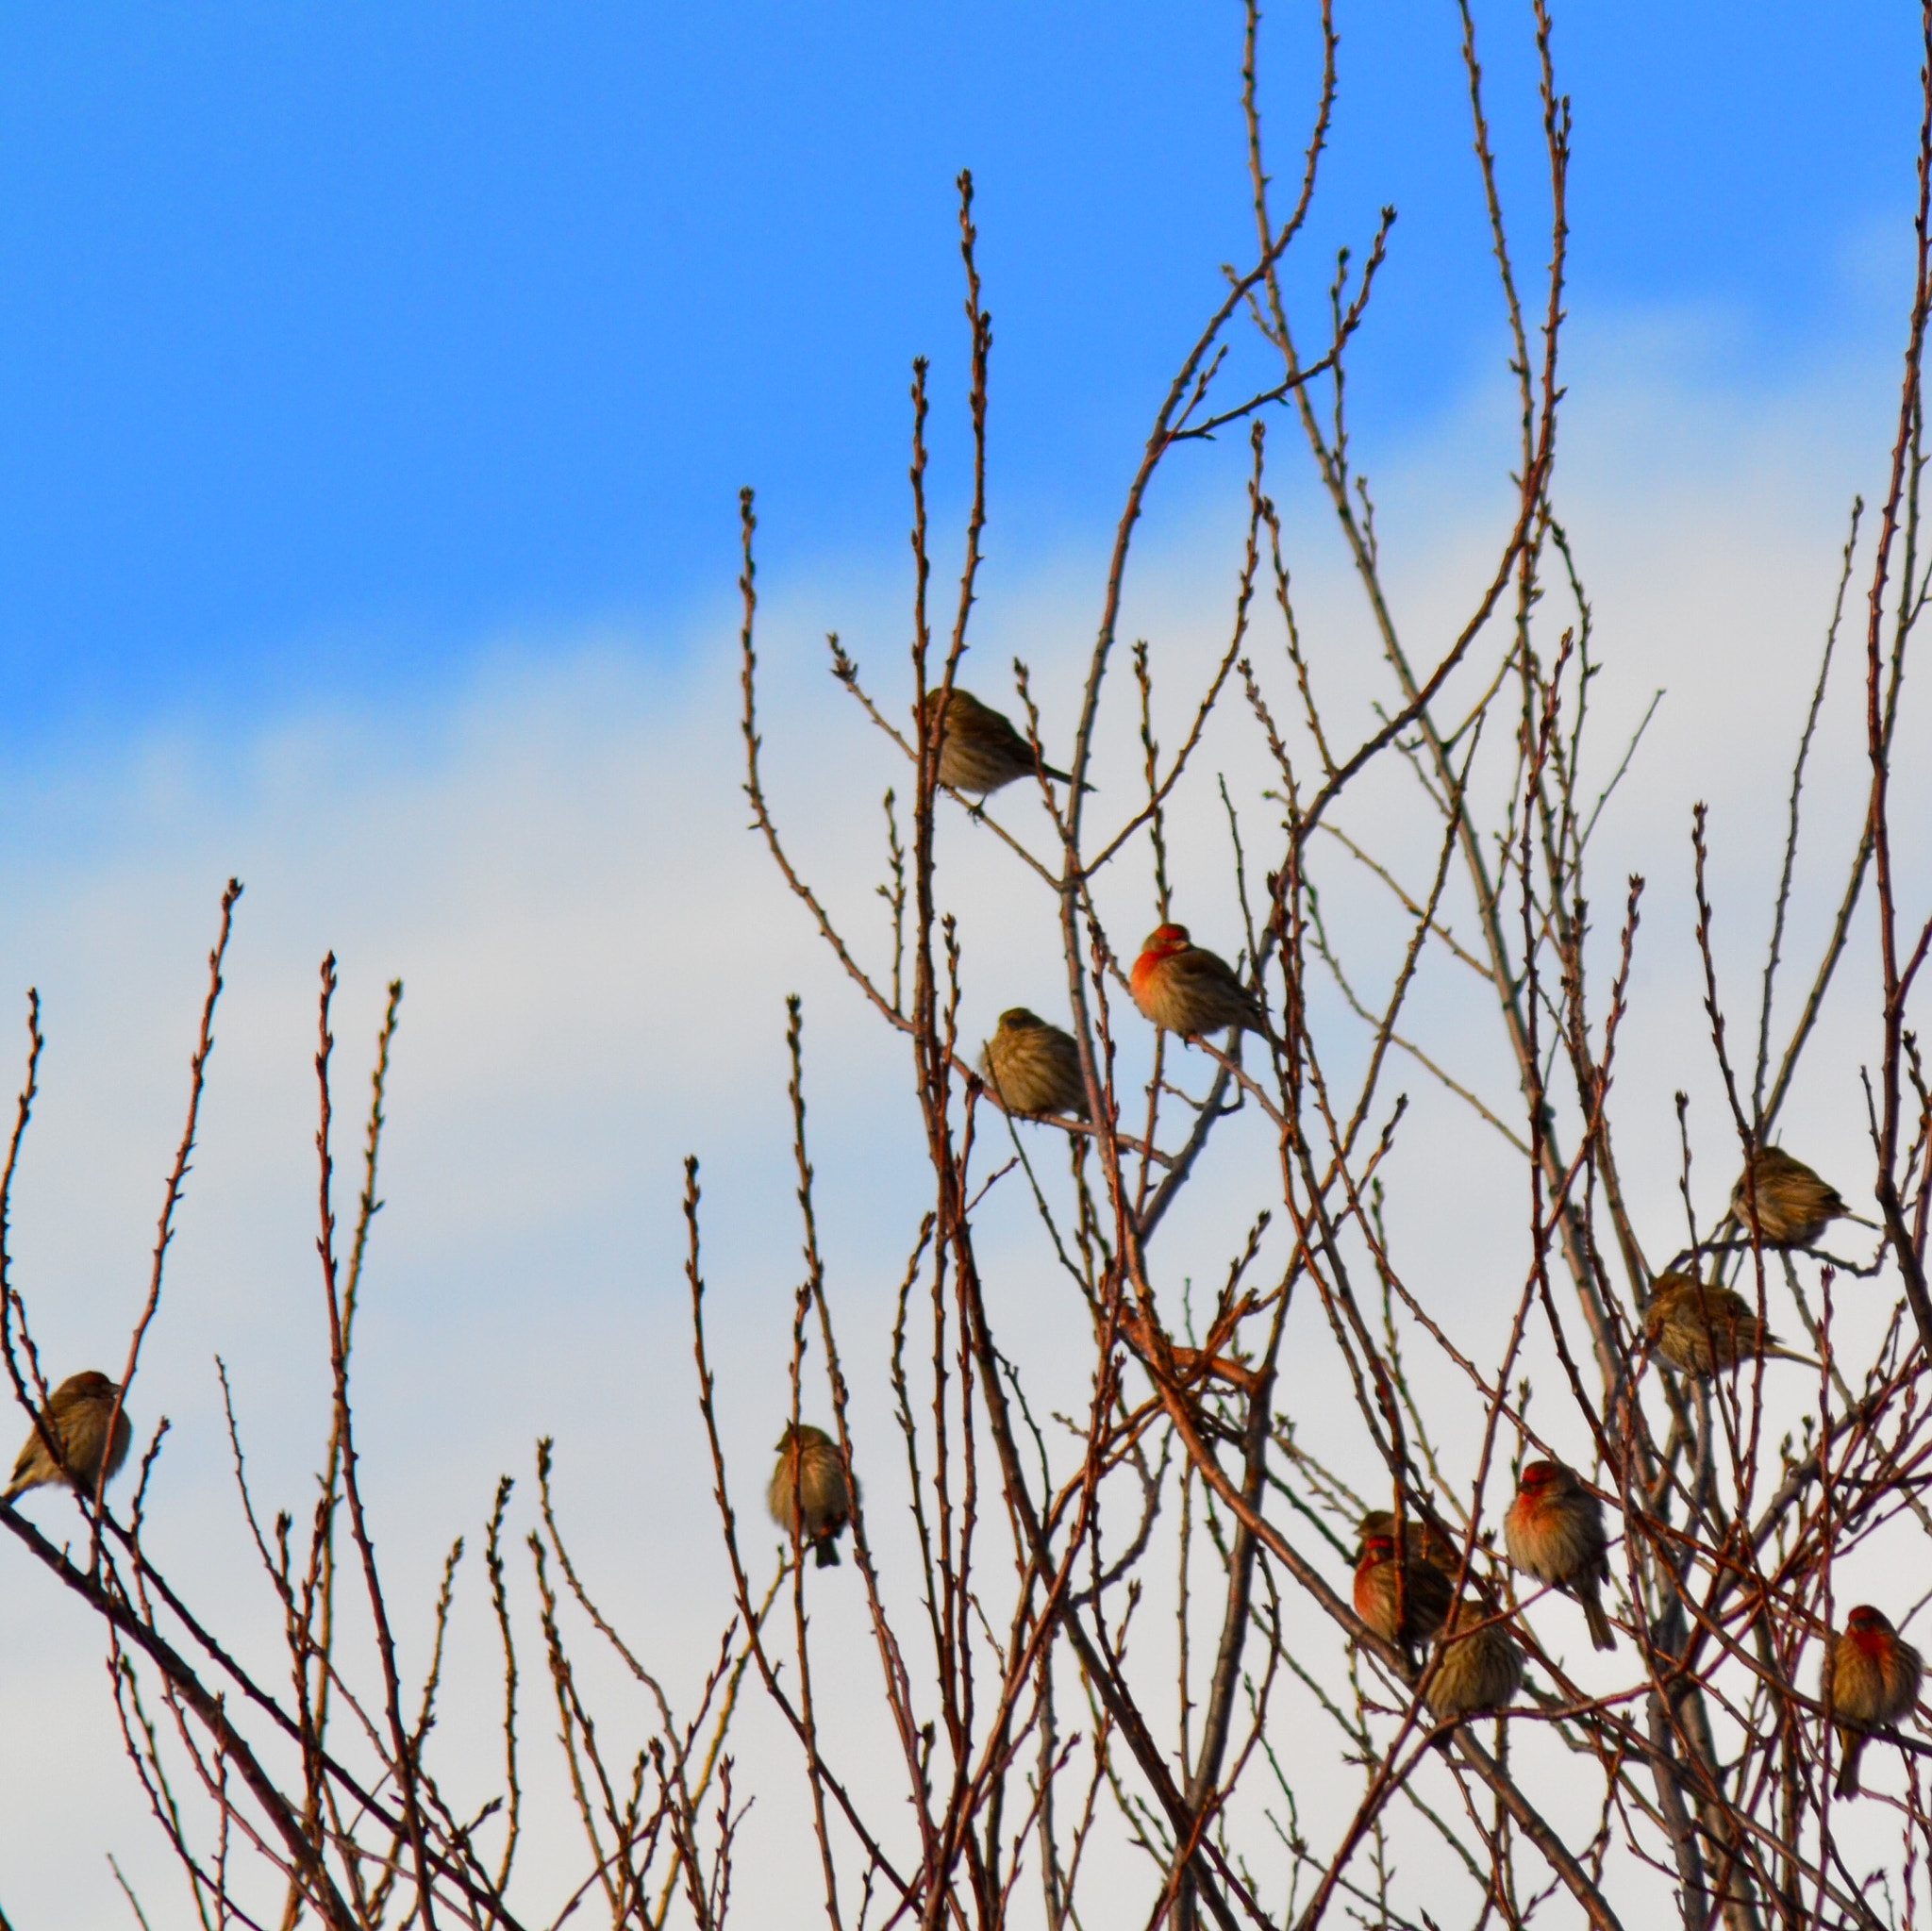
(77, 1413)
(810, 1482)
(1190, 991)
(1874, 1681)
(1555, 1532)
(979, 749)
(1784, 1200)
(1700, 1330)
(1424, 1590)
(1034, 1067)
(1479, 1669)
(1419, 1538)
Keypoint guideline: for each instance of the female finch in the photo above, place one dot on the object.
(77, 1417)
(1874, 1681)
(1034, 1067)
(1783, 1201)
(1481, 1669)
(809, 1489)
(1555, 1532)
(1700, 1330)
(1423, 1588)
(1190, 991)
(979, 749)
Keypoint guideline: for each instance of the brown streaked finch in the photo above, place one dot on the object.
(1701, 1328)
(1480, 1669)
(1424, 1590)
(808, 1487)
(1190, 991)
(1875, 1682)
(1555, 1532)
(1785, 1201)
(77, 1413)
(1034, 1067)
(979, 749)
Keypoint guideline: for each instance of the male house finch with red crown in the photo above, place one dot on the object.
(1700, 1330)
(1190, 991)
(809, 1489)
(1419, 1538)
(1424, 1590)
(1784, 1200)
(1874, 1681)
(77, 1417)
(979, 749)
(1034, 1067)
(1555, 1532)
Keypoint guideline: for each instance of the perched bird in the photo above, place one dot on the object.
(1784, 1200)
(1190, 991)
(1419, 1538)
(1425, 1592)
(1555, 1532)
(1874, 1681)
(1702, 1328)
(1034, 1067)
(77, 1413)
(1481, 1669)
(808, 1484)
(979, 749)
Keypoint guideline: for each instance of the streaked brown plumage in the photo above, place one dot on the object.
(1418, 1537)
(1699, 1327)
(1034, 1067)
(1555, 1532)
(77, 1413)
(1425, 1592)
(1794, 1207)
(1480, 1670)
(1875, 1682)
(1190, 991)
(809, 1481)
(979, 749)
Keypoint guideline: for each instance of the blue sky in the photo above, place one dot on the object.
(338, 344)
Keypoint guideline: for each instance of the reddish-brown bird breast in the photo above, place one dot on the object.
(1875, 1682)
(1555, 1532)
(1424, 1589)
(1190, 991)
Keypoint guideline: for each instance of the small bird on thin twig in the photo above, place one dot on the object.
(1034, 1067)
(1555, 1532)
(77, 1417)
(1190, 991)
(1424, 1591)
(1786, 1203)
(1481, 1669)
(1875, 1682)
(1701, 1328)
(979, 749)
(808, 1487)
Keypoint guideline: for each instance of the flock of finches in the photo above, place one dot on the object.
(1554, 1529)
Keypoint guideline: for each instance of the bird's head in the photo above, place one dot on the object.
(1016, 1019)
(90, 1382)
(1540, 1478)
(1164, 941)
(1376, 1551)
(1866, 1621)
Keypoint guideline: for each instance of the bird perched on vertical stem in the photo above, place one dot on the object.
(1874, 1681)
(1190, 991)
(1034, 1067)
(1784, 1202)
(979, 749)
(1481, 1667)
(1424, 1591)
(1555, 1532)
(77, 1417)
(809, 1488)
(1702, 1328)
